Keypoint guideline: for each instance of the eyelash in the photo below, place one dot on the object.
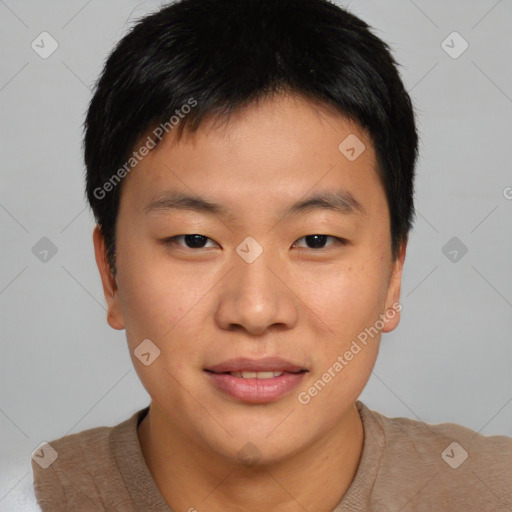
(338, 241)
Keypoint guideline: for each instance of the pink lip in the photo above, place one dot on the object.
(265, 364)
(257, 391)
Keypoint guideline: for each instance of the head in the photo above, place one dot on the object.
(236, 112)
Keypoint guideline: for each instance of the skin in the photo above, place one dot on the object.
(302, 301)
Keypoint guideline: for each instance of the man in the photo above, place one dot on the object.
(250, 164)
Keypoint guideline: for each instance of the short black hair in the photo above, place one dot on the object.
(221, 55)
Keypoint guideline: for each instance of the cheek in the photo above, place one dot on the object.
(164, 305)
(350, 306)
(348, 297)
(159, 309)
(152, 299)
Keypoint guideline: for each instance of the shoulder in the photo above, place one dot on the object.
(72, 471)
(441, 464)
(421, 437)
(60, 467)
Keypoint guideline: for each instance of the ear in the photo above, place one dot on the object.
(115, 315)
(393, 308)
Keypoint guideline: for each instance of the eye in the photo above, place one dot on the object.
(318, 241)
(194, 241)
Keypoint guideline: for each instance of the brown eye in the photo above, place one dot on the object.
(193, 241)
(319, 241)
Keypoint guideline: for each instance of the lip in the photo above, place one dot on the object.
(253, 390)
(265, 364)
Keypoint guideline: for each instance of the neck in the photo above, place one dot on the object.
(313, 479)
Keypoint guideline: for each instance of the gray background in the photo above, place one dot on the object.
(63, 369)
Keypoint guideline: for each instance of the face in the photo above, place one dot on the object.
(259, 277)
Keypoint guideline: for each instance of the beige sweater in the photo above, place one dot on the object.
(405, 466)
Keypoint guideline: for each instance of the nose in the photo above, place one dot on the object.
(257, 296)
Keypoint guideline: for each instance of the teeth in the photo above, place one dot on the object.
(256, 375)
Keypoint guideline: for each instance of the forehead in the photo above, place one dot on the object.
(275, 151)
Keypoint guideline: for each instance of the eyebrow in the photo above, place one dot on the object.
(340, 201)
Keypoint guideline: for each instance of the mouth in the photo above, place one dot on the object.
(264, 366)
(255, 381)
(256, 374)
